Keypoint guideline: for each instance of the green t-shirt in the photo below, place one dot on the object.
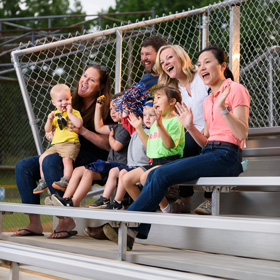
(155, 146)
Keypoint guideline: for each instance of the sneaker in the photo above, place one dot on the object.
(62, 184)
(101, 203)
(179, 207)
(60, 201)
(172, 193)
(41, 187)
(204, 208)
(127, 201)
(112, 234)
(114, 205)
(48, 200)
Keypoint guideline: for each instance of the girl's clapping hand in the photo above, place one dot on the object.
(159, 118)
(184, 114)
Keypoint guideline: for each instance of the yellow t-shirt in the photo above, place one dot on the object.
(64, 135)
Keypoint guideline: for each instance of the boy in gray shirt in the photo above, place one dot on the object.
(136, 156)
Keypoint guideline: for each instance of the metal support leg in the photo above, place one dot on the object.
(1, 222)
(122, 242)
(14, 271)
(216, 201)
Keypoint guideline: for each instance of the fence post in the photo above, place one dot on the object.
(130, 65)
(270, 89)
(118, 69)
(28, 106)
(205, 21)
(49, 24)
(234, 46)
(100, 21)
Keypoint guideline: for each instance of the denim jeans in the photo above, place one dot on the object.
(191, 149)
(214, 161)
(28, 173)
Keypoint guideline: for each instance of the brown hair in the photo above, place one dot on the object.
(105, 81)
(155, 41)
(170, 93)
(221, 56)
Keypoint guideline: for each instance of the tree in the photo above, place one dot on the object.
(10, 8)
(35, 8)
(160, 6)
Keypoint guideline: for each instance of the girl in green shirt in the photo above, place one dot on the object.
(164, 143)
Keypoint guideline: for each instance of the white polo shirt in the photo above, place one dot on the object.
(199, 91)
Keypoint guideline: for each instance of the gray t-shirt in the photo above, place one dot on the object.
(121, 135)
(136, 154)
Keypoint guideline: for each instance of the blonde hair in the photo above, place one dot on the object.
(148, 107)
(187, 67)
(59, 88)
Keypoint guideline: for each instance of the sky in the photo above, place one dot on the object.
(94, 6)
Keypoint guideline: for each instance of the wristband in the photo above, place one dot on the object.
(226, 111)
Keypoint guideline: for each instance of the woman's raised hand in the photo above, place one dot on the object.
(184, 114)
(221, 99)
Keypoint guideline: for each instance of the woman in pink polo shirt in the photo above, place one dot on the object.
(226, 114)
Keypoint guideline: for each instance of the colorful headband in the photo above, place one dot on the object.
(149, 102)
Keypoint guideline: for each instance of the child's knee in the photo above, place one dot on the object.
(79, 170)
(114, 172)
(122, 172)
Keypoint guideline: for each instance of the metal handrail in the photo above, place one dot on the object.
(258, 59)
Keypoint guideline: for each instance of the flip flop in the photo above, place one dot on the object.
(29, 233)
(69, 234)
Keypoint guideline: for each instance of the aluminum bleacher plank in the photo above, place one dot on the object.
(211, 222)
(214, 264)
(86, 266)
(247, 181)
(217, 265)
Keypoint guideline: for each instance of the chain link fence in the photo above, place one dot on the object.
(247, 30)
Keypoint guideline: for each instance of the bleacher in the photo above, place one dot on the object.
(180, 246)
(240, 240)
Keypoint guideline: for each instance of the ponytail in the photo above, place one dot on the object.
(228, 74)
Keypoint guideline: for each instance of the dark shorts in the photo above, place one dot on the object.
(127, 168)
(160, 161)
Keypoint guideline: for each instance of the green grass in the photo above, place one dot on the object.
(19, 220)
(7, 177)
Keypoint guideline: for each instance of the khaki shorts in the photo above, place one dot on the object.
(65, 150)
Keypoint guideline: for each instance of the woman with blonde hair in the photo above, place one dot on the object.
(176, 70)
(187, 68)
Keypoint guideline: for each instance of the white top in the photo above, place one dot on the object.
(199, 91)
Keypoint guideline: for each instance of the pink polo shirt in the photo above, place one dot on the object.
(217, 126)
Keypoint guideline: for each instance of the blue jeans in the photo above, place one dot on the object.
(214, 161)
(28, 173)
(191, 149)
